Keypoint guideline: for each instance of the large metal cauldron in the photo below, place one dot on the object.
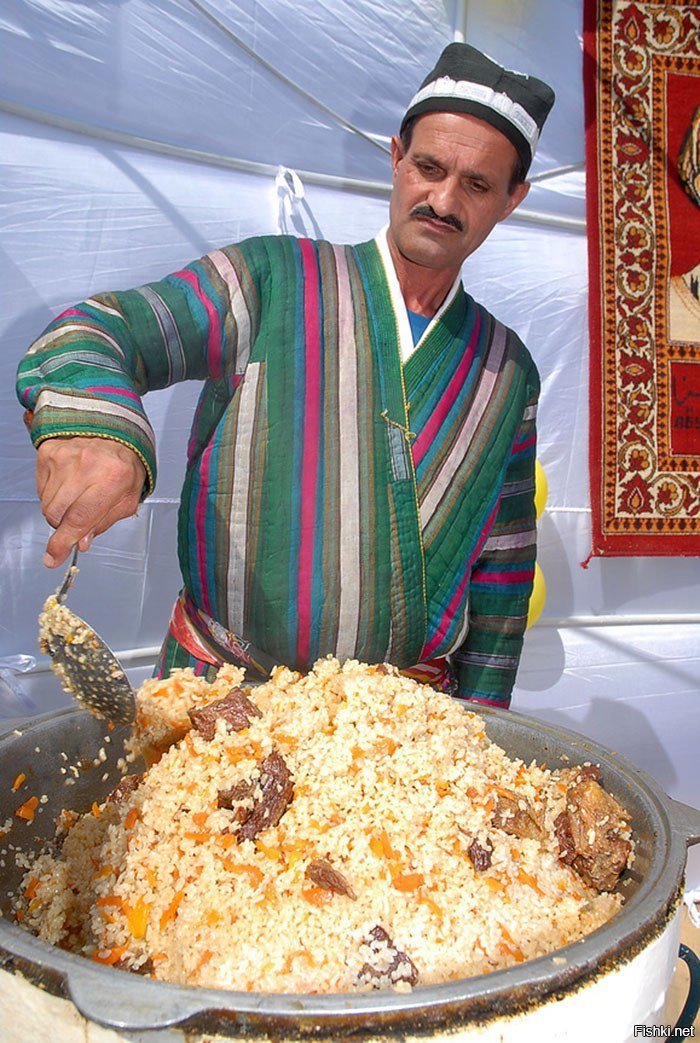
(606, 982)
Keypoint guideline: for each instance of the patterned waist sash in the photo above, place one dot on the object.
(207, 640)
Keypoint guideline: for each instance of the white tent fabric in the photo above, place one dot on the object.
(136, 135)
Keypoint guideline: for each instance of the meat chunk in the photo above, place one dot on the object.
(124, 788)
(276, 790)
(562, 831)
(387, 965)
(480, 855)
(233, 798)
(146, 968)
(322, 873)
(589, 771)
(235, 708)
(515, 816)
(591, 834)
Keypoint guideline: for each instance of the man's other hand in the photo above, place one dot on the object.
(85, 485)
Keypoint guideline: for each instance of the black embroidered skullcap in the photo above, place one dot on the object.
(465, 80)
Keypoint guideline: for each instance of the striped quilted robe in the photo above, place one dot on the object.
(336, 499)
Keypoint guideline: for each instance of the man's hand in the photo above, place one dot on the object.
(85, 485)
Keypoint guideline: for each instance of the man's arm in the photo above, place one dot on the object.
(501, 580)
(81, 384)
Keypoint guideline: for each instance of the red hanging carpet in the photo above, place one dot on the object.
(642, 92)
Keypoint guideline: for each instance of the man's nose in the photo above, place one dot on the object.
(443, 197)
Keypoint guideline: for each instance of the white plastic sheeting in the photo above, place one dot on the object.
(137, 134)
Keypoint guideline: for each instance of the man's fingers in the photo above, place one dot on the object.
(83, 520)
(85, 485)
(79, 521)
(126, 508)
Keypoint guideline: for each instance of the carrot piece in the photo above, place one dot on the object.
(507, 935)
(268, 850)
(31, 888)
(238, 753)
(18, 781)
(375, 846)
(432, 905)
(110, 900)
(511, 946)
(408, 881)
(317, 896)
(96, 809)
(256, 876)
(171, 912)
(526, 878)
(66, 819)
(493, 884)
(104, 871)
(189, 743)
(226, 839)
(110, 956)
(302, 954)
(204, 959)
(28, 809)
(131, 816)
(380, 845)
(137, 918)
(200, 818)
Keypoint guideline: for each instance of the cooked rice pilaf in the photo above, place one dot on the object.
(347, 829)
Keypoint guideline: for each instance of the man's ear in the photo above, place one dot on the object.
(515, 199)
(397, 153)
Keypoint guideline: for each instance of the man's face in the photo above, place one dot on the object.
(450, 188)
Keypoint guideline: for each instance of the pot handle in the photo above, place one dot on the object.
(692, 1004)
(686, 821)
(129, 1005)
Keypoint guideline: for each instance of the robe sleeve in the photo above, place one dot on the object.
(87, 372)
(502, 578)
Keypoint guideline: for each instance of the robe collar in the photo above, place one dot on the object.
(403, 326)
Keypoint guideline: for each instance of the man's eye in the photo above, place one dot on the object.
(477, 186)
(427, 169)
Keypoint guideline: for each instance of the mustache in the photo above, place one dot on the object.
(424, 210)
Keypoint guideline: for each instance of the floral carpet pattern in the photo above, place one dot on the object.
(642, 90)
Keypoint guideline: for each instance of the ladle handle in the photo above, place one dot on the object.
(69, 577)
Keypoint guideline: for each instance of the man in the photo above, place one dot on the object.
(360, 469)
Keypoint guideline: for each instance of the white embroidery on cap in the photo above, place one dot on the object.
(446, 87)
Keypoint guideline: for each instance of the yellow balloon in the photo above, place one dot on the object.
(541, 488)
(537, 598)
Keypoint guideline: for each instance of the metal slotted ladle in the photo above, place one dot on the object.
(83, 662)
